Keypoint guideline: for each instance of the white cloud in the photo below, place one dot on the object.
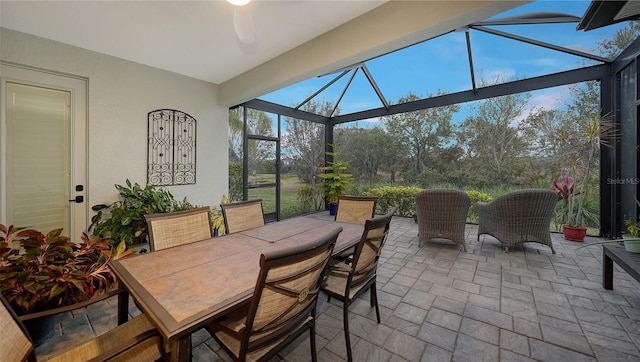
(551, 98)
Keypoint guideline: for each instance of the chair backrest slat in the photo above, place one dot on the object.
(355, 209)
(287, 290)
(242, 215)
(15, 342)
(176, 228)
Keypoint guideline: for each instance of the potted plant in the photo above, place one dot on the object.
(630, 239)
(41, 272)
(335, 180)
(217, 219)
(571, 214)
(582, 146)
(123, 220)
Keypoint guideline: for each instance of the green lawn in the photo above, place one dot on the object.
(290, 184)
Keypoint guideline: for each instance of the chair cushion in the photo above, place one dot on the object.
(336, 281)
(232, 342)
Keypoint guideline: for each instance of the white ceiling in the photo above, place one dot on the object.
(193, 38)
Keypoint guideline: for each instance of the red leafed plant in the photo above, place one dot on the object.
(572, 211)
(40, 272)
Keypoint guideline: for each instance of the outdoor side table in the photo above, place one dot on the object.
(630, 262)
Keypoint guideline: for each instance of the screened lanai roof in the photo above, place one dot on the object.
(529, 42)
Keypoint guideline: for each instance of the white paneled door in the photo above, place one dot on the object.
(43, 153)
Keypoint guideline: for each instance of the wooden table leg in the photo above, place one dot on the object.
(181, 349)
(123, 307)
(607, 270)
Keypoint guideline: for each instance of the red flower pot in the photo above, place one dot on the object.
(574, 233)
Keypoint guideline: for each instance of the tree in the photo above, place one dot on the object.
(258, 123)
(621, 39)
(236, 126)
(422, 133)
(303, 142)
(493, 137)
(366, 150)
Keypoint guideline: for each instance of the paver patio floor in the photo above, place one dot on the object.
(438, 303)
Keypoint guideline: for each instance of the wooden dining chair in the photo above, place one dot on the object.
(355, 209)
(283, 305)
(347, 282)
(176, 228)
(135, 340)
(243, 215)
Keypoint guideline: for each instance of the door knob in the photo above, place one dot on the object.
(78, 199)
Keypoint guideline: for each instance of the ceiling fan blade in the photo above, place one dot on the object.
(244, 26)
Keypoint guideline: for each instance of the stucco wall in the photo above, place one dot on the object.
(121, 93)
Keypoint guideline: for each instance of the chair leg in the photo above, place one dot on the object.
(312, 339)
(374, 300)
(347, 337)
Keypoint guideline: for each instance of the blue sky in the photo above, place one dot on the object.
(442, 63)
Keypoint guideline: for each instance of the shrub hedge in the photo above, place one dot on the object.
(403, 198)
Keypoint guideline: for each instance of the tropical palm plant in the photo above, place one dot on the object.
(582, 147)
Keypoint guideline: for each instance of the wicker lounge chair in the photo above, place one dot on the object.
(283, 304)
(242, 215)
(135, 340)
(519, 217)
(347, 282)
(176, 228)
(355, 209)
(442, 214)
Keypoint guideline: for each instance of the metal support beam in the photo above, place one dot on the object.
(519, 86)
(321, 89)
(609, 206)
(542, 44)
(373, 83)
(270, 107)
(346, 86)
(473, 76)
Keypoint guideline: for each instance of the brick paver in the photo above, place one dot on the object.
(439, 303)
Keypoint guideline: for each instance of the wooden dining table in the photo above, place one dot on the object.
(181, 289)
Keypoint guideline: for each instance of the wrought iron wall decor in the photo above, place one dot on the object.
(172, 148)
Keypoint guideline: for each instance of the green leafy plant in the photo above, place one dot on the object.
(476, 196)
(217, 219)
(235, 180)
(335, 179)
(633, 227)
(583, 146)
(403, 198)
(308, 197)
(123, 220)
(40, 272)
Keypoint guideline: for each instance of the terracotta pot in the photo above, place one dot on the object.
(574, 233)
